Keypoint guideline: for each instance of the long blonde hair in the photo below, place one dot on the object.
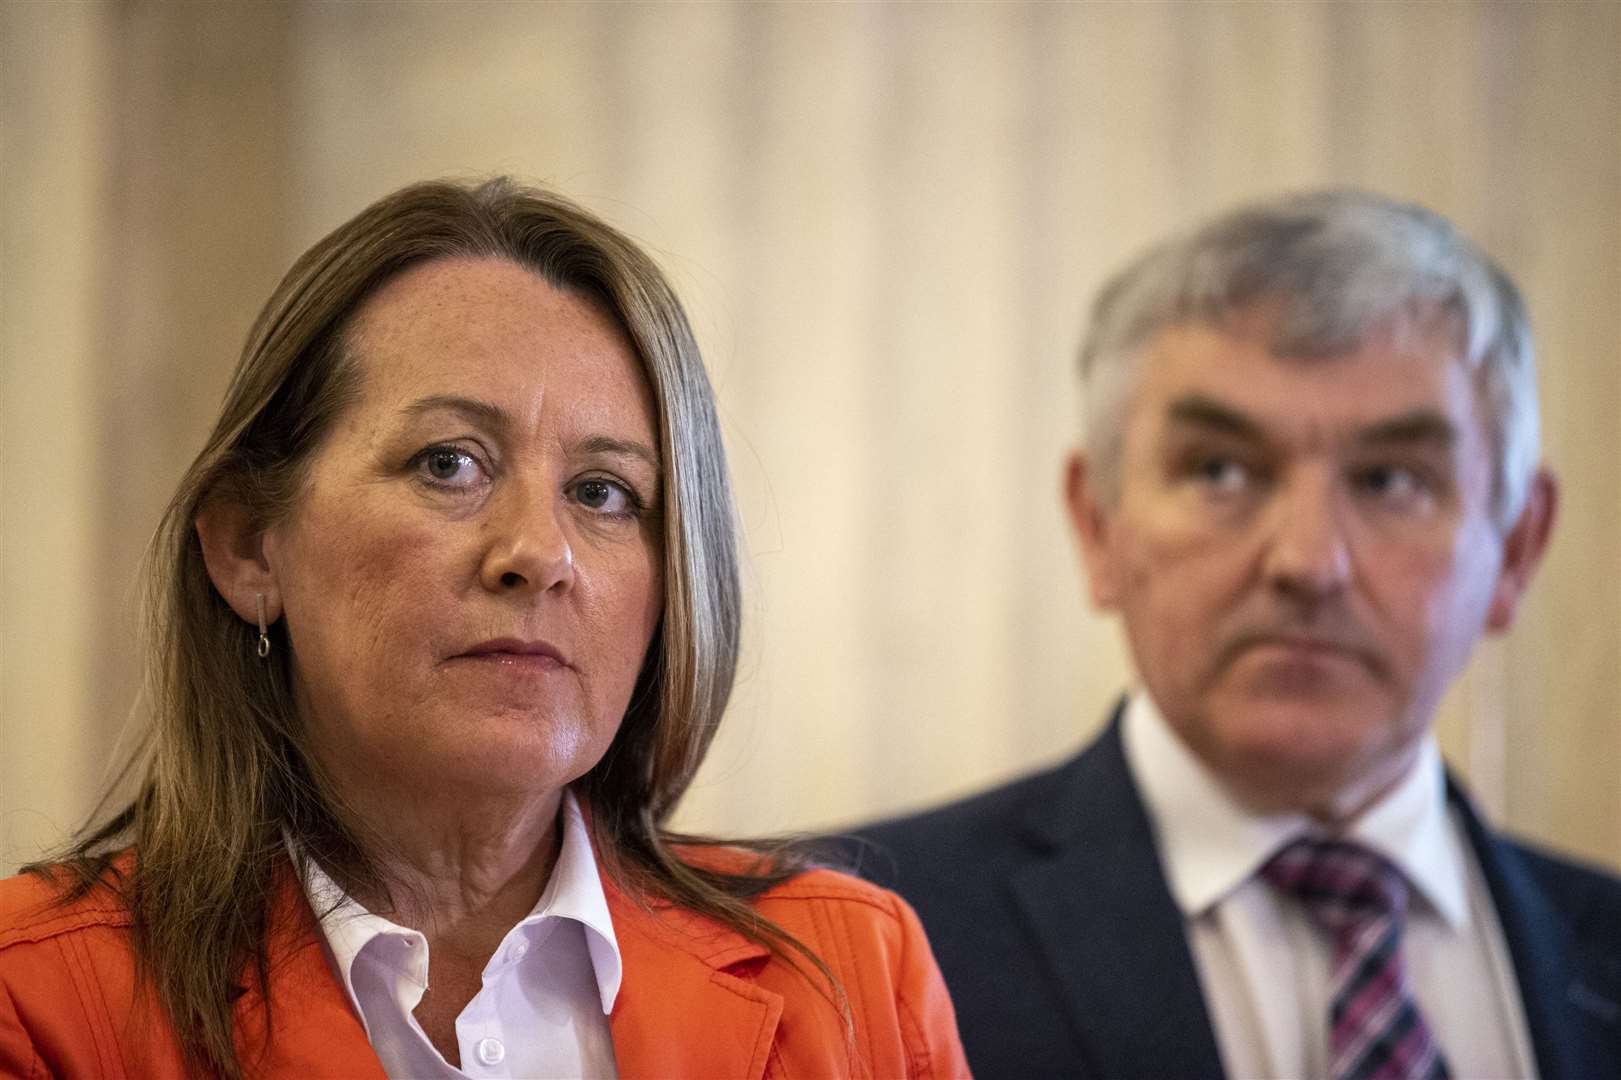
(227, 772)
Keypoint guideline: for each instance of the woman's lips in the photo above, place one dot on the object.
(516, 654)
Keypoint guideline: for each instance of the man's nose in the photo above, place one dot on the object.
(1308, 556)
(528, 546)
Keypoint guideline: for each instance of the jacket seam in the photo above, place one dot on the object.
(919, 1062)
(67, 923)
(838, 934)
(97, 1021)
(878, 902)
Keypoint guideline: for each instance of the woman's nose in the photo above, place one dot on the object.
(528, 546)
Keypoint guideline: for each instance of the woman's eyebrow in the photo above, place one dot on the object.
(493, 416)
(479, 412)
(607, 444)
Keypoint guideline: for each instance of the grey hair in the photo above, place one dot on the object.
(1341, 265)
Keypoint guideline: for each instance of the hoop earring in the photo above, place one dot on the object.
(264, 637)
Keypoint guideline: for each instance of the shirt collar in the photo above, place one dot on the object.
(573, 892)
(1210, 844)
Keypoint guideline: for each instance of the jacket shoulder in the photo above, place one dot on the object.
(994, 804)
(847, 921)
(1586, 896)
(988, 830)
(805, 903)
(1564, 871)
(67, 978)
(35, 908)
(835, 886)
(874, 945)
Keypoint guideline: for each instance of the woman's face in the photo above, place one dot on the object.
(473, 573)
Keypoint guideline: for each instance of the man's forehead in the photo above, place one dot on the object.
(1191, 372)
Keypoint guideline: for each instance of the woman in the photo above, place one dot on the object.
(446, 616)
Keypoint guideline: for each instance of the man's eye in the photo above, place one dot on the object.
(605, 496)
(1223, 475)
(1392, 483)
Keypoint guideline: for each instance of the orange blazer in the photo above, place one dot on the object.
(697, 999)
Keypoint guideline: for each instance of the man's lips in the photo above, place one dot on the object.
(1304, 648)
(1304, 645)
(514, 651)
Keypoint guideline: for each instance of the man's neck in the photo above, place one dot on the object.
(1335, 802)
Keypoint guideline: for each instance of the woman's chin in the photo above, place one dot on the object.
(500, 755)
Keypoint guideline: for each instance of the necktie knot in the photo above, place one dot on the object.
(1344, 886)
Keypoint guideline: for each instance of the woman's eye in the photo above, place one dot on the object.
(446, 466)
(605, 496)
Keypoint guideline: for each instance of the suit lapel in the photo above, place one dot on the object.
(1558, 1004)
(686, 1007)
(1096, 902)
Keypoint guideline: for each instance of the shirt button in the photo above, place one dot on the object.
(520, 950)
(491, 1051)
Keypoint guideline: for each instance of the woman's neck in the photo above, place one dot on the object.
(458, 873)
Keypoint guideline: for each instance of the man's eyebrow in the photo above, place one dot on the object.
(607, 444)
(1196, 410)
(1417, 427)
(479, 412)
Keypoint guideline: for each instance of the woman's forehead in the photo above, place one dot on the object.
(488, 330)
(463, 302)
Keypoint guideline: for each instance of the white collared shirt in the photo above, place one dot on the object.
(1264, 968)
(548, 989)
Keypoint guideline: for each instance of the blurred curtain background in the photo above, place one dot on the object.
(886, 221)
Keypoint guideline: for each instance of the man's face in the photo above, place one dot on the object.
(1303, 553)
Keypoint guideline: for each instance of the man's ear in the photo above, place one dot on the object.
(1090, 519)
(233, 551)
(1523, 548)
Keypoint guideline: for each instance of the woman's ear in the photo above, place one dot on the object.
(233, 551)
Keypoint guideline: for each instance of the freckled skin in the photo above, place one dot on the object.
(387, 575)
(1219, 546)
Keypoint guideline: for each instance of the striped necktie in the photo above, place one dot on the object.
(1359, 900)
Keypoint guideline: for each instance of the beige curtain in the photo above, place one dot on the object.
(887, 220)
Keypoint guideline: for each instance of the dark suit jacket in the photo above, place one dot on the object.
(1065, 952)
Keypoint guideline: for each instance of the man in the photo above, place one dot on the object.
(1309, 483)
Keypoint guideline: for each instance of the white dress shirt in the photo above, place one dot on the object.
(543, 1009)
(1263, 966)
